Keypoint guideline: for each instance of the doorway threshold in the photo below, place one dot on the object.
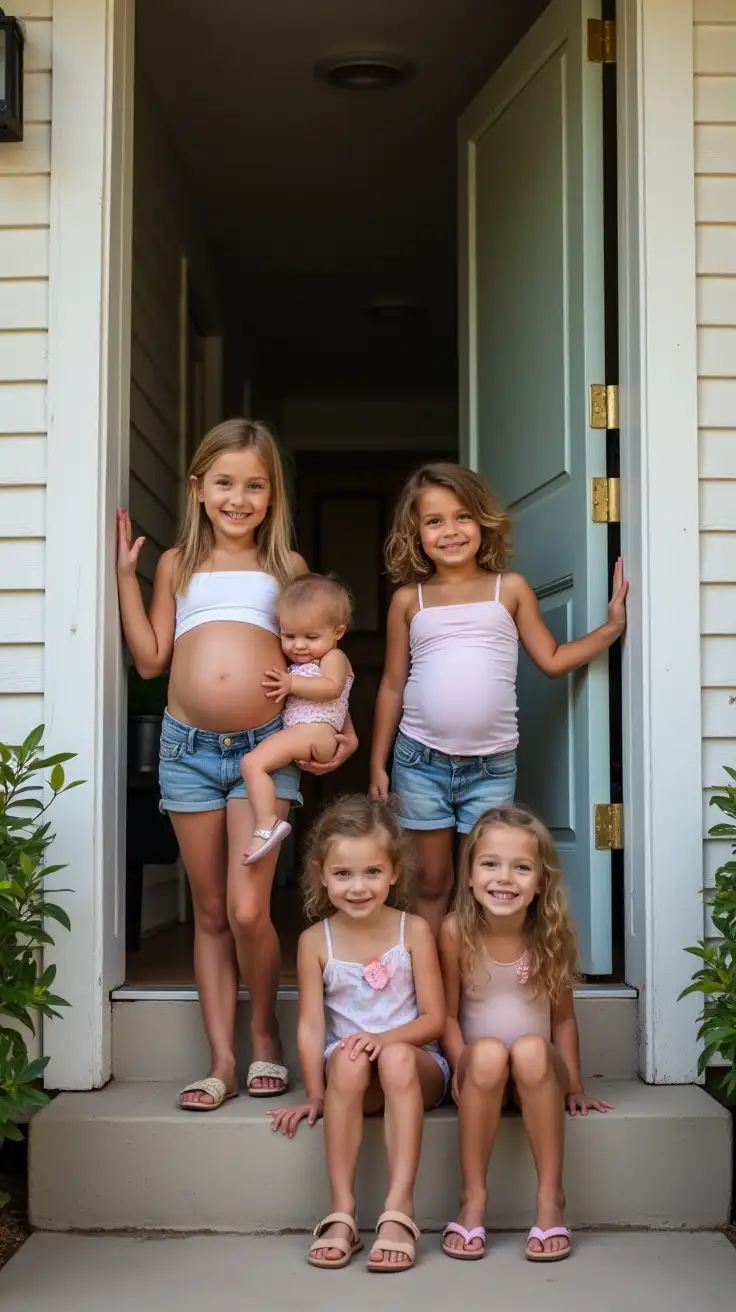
(187, 993)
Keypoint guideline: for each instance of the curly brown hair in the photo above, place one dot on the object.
(551, 942)
(356, 816)
(406, 561)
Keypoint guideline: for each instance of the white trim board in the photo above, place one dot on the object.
(167, 993)
(659, 497)
(89, 394)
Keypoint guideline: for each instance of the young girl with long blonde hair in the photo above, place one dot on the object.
(212, 620)
(454, 628)
(509, 961)
(371, 1009)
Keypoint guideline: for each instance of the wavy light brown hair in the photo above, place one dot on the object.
(316, 590)
(406, 561)
(551, 943)
(356, 816)
(197, 536)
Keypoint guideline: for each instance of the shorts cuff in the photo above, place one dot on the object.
(426, 825)
(190, 808)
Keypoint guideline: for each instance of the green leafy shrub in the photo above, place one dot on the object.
(716, 978)
(25, 985)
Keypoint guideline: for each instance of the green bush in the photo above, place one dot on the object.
(25, 986)
(716, 978)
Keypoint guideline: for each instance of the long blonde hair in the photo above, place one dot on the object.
(405, 558)
(356, 816)
(273, 537)
(551, 944)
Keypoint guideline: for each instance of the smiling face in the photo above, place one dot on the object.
(506, 873)
(358, 874)
(236, 493)
(449, 535)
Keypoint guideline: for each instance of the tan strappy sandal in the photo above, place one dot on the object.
(348, 1249)
(215, 1088)
(408, 1248)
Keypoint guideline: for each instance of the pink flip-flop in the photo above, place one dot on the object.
(454, 1228)
(556, 1230)
(271, 839)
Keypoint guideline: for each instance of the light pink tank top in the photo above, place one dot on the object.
(353, 1003)
(460, 697)
(498, 1004)
(300, 710)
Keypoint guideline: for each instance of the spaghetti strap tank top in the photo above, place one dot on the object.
(460, 697)
(499, 1004)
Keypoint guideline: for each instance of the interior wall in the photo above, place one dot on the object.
(715, 197)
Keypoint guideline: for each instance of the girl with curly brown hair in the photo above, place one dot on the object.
(371, 1009)
(454, 628)
(509, 960)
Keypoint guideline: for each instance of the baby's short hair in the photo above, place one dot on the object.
(316, 590)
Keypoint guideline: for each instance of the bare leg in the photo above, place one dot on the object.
(298, 743)
(541, 1081)
(202, 842)
(436, 873)
(483, 1074)
(347, 1084)
(411, 1081)
(256, 940)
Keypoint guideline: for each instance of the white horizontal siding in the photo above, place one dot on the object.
(715, 207)
(24, 267)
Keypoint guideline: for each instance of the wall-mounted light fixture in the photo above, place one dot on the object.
(12, 41)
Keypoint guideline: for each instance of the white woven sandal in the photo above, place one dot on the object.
(267, 1070)
(216, 1089)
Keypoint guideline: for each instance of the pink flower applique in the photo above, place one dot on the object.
(378, 973)
(522, 971)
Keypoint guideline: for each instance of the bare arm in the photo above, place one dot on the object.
(150, 637)
(452, 1039)
(334, 670)
(556, 659)
(311, 1023)
(390, 697)
(566, 1039)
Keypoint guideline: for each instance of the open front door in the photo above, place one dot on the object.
(531, 343)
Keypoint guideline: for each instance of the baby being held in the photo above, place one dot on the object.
(313, 614)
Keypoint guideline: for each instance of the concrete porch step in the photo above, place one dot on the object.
(161, 1038)
(126, 1158)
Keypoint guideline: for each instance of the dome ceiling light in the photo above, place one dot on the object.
(364, 72)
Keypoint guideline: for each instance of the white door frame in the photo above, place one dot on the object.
(91, 187)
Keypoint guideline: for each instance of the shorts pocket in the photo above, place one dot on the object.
(502, 766)
(407, 752)
(170, 750)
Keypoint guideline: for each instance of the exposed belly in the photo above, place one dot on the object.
(216, 675)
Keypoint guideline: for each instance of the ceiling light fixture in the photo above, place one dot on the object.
(364, 72)
(393, 308)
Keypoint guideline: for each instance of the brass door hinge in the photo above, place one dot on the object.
(606, 501)
(609, 827)
(604, 405)
(601, 41)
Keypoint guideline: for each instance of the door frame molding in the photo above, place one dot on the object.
(660, 526)
(87, 478)
(89, 375)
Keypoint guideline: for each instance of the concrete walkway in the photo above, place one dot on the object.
(624, 1272)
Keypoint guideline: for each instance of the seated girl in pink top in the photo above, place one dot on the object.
(313, 614)
(509, 960)
(454, 627)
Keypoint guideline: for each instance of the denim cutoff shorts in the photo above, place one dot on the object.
(200, 771)
(437, 791)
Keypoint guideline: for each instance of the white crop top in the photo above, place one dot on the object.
(244, 596)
